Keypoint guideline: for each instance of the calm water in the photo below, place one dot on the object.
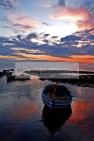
(21, 113)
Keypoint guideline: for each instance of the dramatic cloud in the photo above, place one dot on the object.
(85, 25)
(82, 12)
(78, 47)
(81, 17)
(22, 21)
(74, 14)
(63, 30)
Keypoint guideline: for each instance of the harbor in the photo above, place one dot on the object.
(71, 77)
(24, 116)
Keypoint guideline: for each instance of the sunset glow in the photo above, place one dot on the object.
(62, 29)
(56, 30)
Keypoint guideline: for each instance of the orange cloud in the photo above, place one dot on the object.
(72, 58)
(11, 57)
(74, 14)
(80, 16)
(83, 58)
(85, 25)
(22, 21)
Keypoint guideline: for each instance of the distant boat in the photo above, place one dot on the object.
(56, 96)
(21, 77)
(6, 72)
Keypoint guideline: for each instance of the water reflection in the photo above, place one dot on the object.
(53, 119)
(57, 99)
(21, 108)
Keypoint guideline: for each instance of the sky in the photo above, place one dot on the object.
(51, 30)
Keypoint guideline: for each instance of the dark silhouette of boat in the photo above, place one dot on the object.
(56, 96)
(53, 119)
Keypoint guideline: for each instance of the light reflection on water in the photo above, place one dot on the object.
(21, 113)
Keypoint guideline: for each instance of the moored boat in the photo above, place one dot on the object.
(56, 96)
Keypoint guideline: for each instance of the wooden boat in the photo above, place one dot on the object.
(56, 96)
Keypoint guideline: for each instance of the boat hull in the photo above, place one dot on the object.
(53, 103)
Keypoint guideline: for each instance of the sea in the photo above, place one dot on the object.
(22, 112)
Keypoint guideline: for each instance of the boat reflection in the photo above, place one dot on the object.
(54, 118)
(57, 100)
